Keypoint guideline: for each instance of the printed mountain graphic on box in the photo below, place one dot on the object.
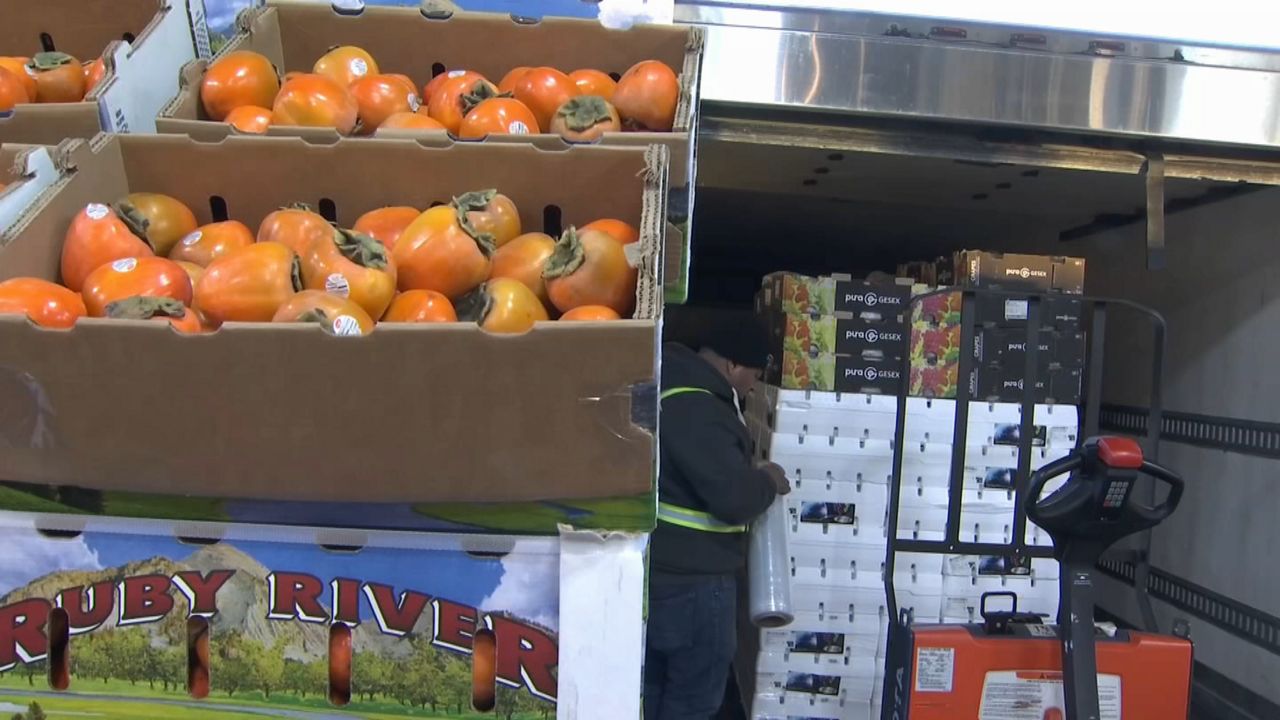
(129, 655)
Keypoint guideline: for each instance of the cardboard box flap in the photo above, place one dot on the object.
(30, 171)
(445, 413)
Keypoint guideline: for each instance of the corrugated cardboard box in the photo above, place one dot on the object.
(405, 414)
(145, 42)
(405, 40)
(266, 604)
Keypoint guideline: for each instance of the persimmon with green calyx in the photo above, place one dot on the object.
(585, 119)
(99, 235)
(134, 277)
(590, 268)
(437, 253)
(456, 96)
(489, 212)
(161, 309)
(351, 265)
(543, 90)
(337, 315)
(59, 77)
(502, 305)
(168, 219)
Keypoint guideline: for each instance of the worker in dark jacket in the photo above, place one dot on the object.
(709, 491)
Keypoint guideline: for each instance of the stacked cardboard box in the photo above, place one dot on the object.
(987, 501)
(837, 451)
(834, 333)
(1000, 342)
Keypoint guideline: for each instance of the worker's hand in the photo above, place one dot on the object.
(777, 475)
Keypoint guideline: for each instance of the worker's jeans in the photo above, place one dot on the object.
(690, 645)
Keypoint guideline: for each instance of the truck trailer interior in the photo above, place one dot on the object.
(835, 141)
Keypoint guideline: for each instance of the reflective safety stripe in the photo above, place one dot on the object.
(684, 517)
(672, 392)
(695, 520)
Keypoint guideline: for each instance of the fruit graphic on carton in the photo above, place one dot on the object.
(800, 372)
(803, 335)
(935, 346)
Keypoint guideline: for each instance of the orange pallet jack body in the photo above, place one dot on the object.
(962, 672)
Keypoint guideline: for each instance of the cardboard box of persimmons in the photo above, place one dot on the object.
(373, 321)
(71, 68)
(302, 68)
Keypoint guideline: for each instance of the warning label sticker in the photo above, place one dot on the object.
(935, 669)
(1033, 695)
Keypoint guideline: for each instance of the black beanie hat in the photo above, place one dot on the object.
(744, 342)
(733, 333)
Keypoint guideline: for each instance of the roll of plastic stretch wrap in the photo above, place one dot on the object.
(768, 574)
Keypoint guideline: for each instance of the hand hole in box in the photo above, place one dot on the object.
(218, 208)
(328, 210)
(484, 671)
(58, 533)
(552, 221)
(198, 657)
(339, 664)
(193, 540)
(343, 549)
(58, 632)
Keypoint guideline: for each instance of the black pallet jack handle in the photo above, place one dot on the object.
(1087, 515)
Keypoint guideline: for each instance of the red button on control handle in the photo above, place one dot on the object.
(1120, 452)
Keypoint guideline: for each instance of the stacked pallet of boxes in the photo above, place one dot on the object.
(828, 413)
(847, 338)
(997, 361)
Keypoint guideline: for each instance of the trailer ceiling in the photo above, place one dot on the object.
(787, 190)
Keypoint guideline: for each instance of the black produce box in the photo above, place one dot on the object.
(1003, 383)
(812, 336)
(872, 301)
(1012, 271)
(1008, 346)
(856, 375)
(862, 338)
(1057, 312)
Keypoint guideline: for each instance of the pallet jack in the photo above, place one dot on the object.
(1012, 667)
